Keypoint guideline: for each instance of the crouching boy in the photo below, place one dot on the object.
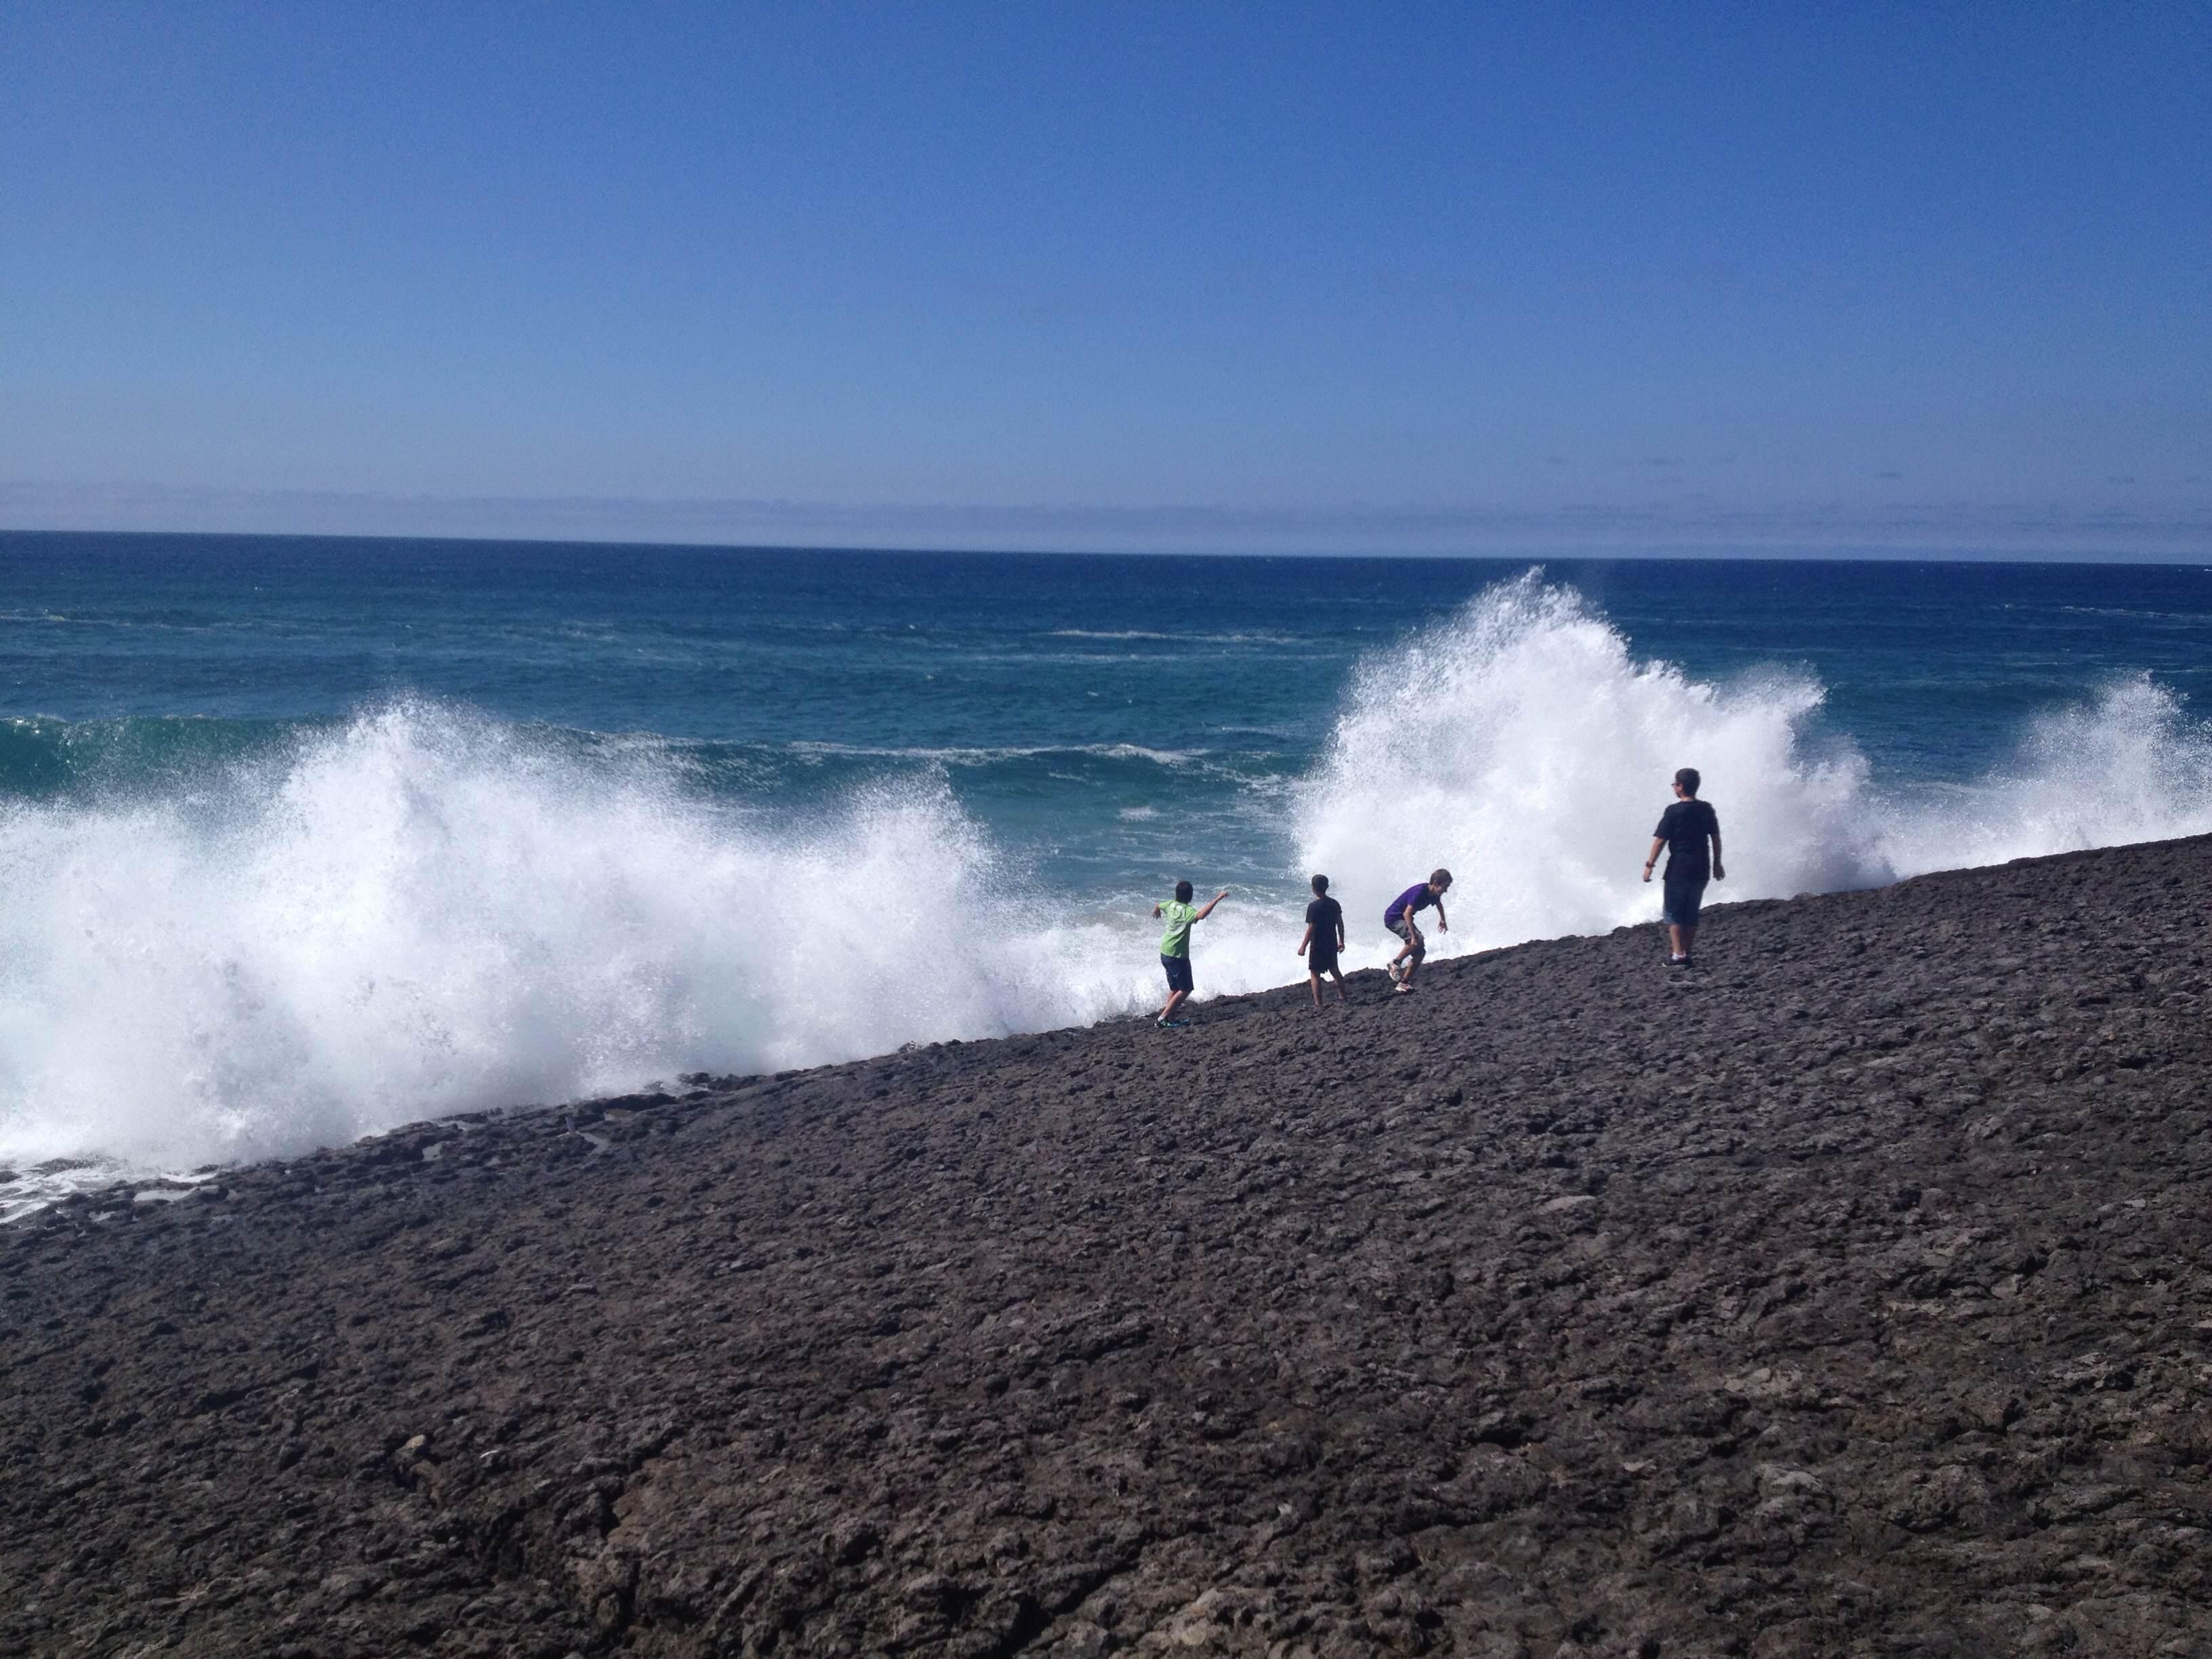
(1399, 919)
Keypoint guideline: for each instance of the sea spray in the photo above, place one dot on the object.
(2128, 764)
(424, 911)
(1522, 744)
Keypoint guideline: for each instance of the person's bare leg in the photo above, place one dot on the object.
(1175, 1001)
(1315, 981)
(1342, 995)
(1409, 954)
(1680, 941)
(1689, 937)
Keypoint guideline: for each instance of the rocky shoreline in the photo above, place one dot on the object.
(1848, 1295)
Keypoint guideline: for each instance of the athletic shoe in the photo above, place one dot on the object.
(1397, 971)
(1678, 962)
(1172, 1025)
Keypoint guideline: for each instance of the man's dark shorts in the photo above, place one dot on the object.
(1681, 898)
(1178, 972)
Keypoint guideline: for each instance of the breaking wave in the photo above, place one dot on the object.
(423, 912)
(253, 943)
(1523, 745)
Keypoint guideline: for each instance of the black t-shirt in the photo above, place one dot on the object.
(1684, 827)
(1326, 917)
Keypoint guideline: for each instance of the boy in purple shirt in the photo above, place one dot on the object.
(1399, 919)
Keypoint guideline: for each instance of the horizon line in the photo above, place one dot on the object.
(1712, 553)
(1889, 531)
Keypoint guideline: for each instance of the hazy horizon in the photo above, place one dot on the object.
(1525, 552)
(1249, 279)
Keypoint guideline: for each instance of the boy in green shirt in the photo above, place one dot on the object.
(1174, 945)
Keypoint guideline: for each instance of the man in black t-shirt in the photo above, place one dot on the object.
(1324, 937)
(1683, 829)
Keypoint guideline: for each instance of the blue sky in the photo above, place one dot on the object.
(1372, 278)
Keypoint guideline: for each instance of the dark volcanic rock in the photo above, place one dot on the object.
(1846, 1297)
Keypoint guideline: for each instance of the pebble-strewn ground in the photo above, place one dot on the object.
(1850, 1297)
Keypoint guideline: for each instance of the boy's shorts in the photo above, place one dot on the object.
(1406, 931)
(1321, 960)
(1178, 972)
(1681, 899)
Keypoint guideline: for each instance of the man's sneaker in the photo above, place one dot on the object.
(1397, 972)
(1678, 962)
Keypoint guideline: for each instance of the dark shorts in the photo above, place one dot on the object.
(1682, 897)
(1321, 959)
(1178, 972)
(1406, 930)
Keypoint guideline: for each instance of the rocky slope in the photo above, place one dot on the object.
(1848, 1295)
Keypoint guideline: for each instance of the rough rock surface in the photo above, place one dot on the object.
(1847, 1296)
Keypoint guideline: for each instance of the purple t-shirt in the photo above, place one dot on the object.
(1416, 897)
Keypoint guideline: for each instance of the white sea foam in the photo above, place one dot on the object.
(976, 755)
(1185, 639)
(426, 913)
(423, 911)
(1522, 745)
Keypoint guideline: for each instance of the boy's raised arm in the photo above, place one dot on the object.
(1210, 903)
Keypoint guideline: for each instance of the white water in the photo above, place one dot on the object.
(1523, 746)
(423, 914)
(426, 913)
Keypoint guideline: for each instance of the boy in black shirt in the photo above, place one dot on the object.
(1325, 935)
(1682, 831)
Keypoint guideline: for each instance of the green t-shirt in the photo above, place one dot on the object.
(1176, 942)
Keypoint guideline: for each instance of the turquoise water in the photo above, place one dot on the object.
(1045, 688)
(301, 837)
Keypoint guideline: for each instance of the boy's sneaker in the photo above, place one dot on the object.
(1172, 1025)
(1678, 962)
(1397, 972)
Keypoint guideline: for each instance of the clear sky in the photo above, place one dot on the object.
(1357, 278)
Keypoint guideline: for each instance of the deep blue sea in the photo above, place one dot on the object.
(303, 838)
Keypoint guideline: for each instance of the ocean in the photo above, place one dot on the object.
(302, 839)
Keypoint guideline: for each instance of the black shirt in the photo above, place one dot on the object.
(1684, 827)
(1326, 917)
